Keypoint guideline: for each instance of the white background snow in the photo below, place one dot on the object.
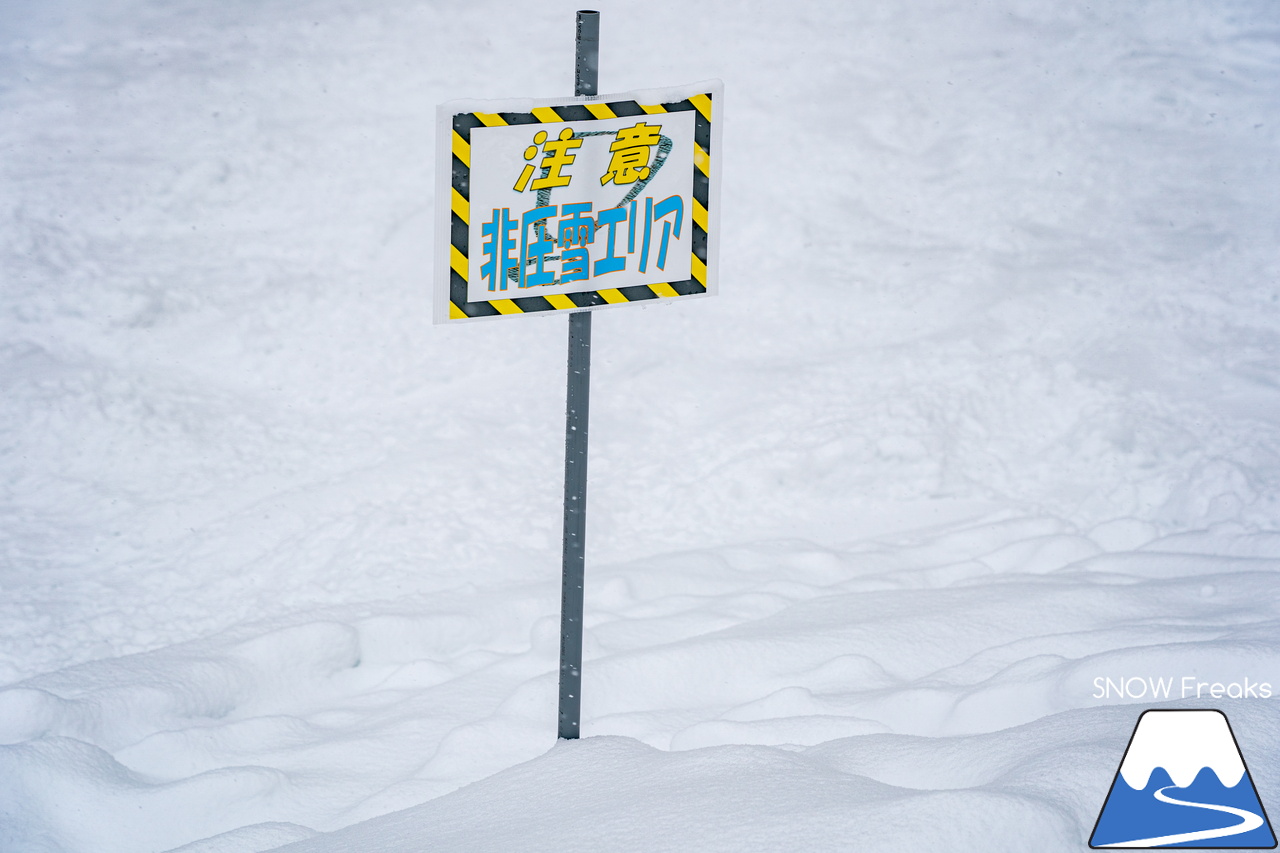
(989, 407)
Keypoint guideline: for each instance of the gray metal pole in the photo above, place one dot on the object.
(586, 69)
(577, 400)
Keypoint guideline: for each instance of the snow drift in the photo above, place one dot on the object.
(986, 410)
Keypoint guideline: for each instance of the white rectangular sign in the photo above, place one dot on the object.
(576, 203)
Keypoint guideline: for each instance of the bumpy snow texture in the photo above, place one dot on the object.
(988, 409)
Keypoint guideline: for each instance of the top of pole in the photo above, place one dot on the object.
(587, 67)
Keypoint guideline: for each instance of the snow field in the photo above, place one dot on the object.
(986, 410)
(323, 723)
(1028, 788)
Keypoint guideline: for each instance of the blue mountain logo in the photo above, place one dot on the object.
(1183, 783)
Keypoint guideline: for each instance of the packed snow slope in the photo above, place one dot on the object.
(989, 408)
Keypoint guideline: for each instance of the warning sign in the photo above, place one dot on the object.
(578, 203)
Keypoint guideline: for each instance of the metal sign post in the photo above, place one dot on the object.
(577, 400)
(576, 205)
(575, 522)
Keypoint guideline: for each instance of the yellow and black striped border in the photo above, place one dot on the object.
(464, 123)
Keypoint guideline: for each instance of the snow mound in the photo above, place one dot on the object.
(986, 410)
(1029, 788)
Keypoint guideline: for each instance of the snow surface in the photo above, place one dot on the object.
(988, 408)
